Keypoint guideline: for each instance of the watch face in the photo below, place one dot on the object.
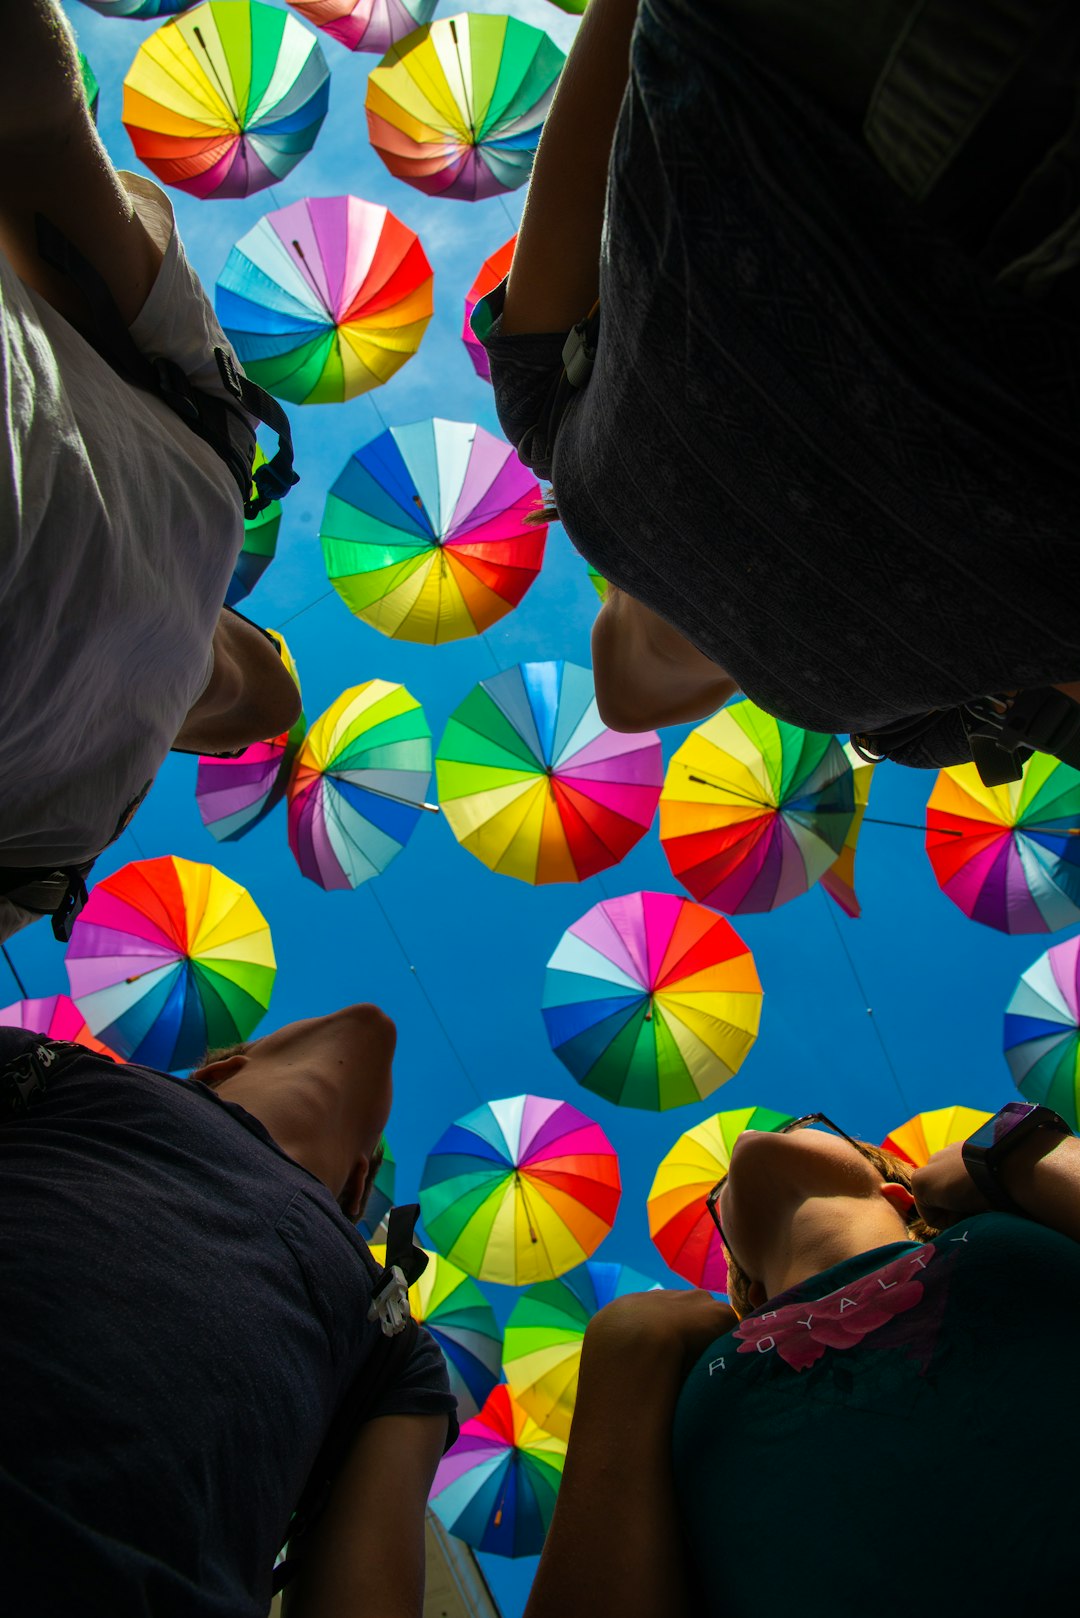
(996, 1129)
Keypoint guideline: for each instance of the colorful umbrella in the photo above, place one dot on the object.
(542, 1343)
(381, 1197)
(462, 1322)
(91, 87)
(651, 1000)
(496, 1488)
(492, 271)
(456, 108)
(168, 959)
(226, 99)
(138, 8)
(325, 299)
(928, 1132)
(753, 810)
(839, 880)
(234, 794)
(358, 785)
(598, 582)
(260, 545)
(535, 785)
(520, 1190)
(1009, 856)
(366, 25)
(1042, 1031)
(424, 533)
(56, 1017)
(679, 1222)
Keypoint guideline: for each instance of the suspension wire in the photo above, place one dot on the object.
(371, 401)
(491, 652)
(509, 215)
(828, 903)
(423, 990)
(301, 610)
(23, 995)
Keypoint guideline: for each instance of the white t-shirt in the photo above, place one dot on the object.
(119, 529)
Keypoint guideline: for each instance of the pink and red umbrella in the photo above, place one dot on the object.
(57, 1017)
(492, 271)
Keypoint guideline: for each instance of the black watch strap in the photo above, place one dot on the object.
(989, 1146)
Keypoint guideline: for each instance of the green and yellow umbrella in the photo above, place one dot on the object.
(453, 1309)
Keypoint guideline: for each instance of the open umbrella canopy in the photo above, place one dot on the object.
(1009, 856)
(227, 98)
(679, 1222)
(839, 880)
(358, 785)
(381, 1197)
(260, 544)
(492, 271)
(424, 532)
(520, 1190)
(753, 810)
(366, 25)
(325, 299)
(920, 1137)
(496, 1487)
(1042, 1031)
(542, 1342)
(535, 785)
(234, 794)
(138, 8)
(454, 1310)
(456, 108)
(57, 1017)
(169, 958)
(651, 1000)
(91, 87)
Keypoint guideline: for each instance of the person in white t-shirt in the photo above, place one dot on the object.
(119, 526)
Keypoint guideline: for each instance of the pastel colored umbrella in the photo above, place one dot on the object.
(492, 271)
(91, 86)
(424, 533)
(534, 784)
(496, 1487)
(1042, 1031)
(260, 545)
(679, 1222)
(381, 1197)
(235, 794)
(456, 108)
(358, 785)
(1009, 856)
(226, 99)
(168, 959)
(325, 299)
(543, 1337)
(138, 8)
(520, 1190)
(753, 810)
(928, 1132)
(57, 1017)
(366, 25)
(651, 1000)
(839, 880)
(454, 1310)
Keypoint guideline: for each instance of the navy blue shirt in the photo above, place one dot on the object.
(184, 1308)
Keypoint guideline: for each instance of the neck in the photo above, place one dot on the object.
(824, 1231)
(308, 1114)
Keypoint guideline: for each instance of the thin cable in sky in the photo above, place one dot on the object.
(301, 610)
(827, 902)
(11, 964)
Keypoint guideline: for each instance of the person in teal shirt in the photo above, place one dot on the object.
(885, 1421)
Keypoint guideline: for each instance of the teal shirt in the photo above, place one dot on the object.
(898, 1435)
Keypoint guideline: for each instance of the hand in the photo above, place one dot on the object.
(944, 1190)
(656, 1333)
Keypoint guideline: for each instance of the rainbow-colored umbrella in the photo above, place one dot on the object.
(492, 271)
(496, 1487)
(381, 1197)
(1009, 856)
(839, 880)
(325, 299)
(138, 8)
(534, 784)
(234, 794)
(358, 785)
(260, 544)
(226, 99)
(168, 959)
(57, 1017)
(454, 1310)
(1042, 1031)
(542, 1342)
(366, 25)
(424, 533)
(457, 107)
(753, 810)
(520, 1190)
(679, 1222)
(928, 1132)
(91, 87)
(651, 1000)
(598, 582)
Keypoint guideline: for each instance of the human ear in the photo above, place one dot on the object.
(757, 1294)
(898, 1196)
(215, 1073)
(354, 1193)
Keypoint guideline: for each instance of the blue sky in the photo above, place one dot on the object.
(869, 1020)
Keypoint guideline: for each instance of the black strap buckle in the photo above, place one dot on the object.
(1042, 720)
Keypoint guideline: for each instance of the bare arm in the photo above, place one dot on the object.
(1042, 1176)
(52, 162)
(646, 673)
(555, 275)
(367, 1554)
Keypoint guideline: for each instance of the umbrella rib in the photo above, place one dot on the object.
(217, 79)
(464, 86)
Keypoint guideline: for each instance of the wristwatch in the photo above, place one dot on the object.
(986, 1149)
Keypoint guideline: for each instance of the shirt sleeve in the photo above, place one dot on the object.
(423, 1388)
(524, 369)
